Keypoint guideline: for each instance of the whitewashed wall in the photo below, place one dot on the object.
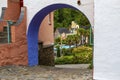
(37, 5)
(107, 40)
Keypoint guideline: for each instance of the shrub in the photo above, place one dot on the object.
(64, 60)
(77, 57)
(91, 65)
(66, 52)
(82, 49)
(82, 58)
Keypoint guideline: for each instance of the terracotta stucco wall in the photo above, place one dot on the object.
(2, 23)
(12, 13)
(46, 30)
(13, 10)
(15, 53)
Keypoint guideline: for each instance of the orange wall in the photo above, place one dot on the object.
(13, 10)
(46, 30)
(15, 53)
(11, 13)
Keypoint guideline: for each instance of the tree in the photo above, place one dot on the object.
(70, 40)
(63, 18)
(87, 34)
(57, 40)
(77, 39)
(81, 32)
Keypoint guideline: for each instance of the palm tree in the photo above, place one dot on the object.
(57, 40)
(81, 32)
(87, 34)
(76, 39)
(69, 40)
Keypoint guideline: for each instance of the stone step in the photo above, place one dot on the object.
(3, 34)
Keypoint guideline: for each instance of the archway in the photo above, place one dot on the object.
(33, 30)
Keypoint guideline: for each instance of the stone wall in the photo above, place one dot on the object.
(46, 54)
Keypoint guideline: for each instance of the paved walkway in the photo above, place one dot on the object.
(44, 73)
(73, 66)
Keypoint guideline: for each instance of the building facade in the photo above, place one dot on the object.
(29, 24)
(15, 52)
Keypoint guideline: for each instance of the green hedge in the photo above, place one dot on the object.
(82, 49)
(80, 55)
(81, 59)
(64, 60)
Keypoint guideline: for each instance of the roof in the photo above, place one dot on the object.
(63, 30)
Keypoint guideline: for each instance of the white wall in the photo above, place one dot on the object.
(37, 5)
(3, 3)
(107, 40)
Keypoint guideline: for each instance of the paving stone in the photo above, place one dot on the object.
(43, 73)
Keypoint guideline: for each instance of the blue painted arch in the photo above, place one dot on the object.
(33, 29)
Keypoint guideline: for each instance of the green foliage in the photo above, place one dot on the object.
(64, 60)
(57, 40)
(58, 51)
(76, 38)
(81, 31)
(82, 56)
(63, 18)
(66, 52)
(70, 40)
(91, 65)
(82, 49)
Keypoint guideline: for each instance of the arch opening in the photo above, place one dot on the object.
(32, 35)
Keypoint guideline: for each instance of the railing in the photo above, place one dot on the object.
(6, 38)
(9, 23)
